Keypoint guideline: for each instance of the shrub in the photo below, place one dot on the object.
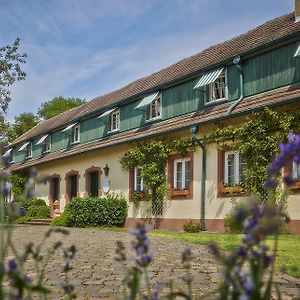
(27, 203)
(38, 212)
(38, 202)
(192, 227)
(62, 219)
(108, 211)
(22, 220)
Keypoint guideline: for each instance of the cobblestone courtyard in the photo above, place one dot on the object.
(97, 275)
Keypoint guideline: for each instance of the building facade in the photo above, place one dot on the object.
(81, 148)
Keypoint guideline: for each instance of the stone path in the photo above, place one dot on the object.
(97, 275)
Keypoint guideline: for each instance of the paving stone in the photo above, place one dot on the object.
(97, 275)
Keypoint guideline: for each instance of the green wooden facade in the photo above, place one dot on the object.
(266, 71)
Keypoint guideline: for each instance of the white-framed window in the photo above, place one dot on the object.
(217, 90)
(29, 150)
(138, 180)
(296, 171)
(47, 144)
(154, 109)
(234, 168)
(182, 173)
(114, 121)
(75, 134)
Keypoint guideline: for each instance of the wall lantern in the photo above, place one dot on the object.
(106, 170)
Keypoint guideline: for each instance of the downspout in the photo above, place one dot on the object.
(237, 62)
(199, 142)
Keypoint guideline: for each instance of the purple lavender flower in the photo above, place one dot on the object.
(141, 245)
(288, 180)
(12, 266)
(5, 188)
(271, 183)
(288, 152)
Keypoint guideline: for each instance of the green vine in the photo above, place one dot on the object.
(257, 139)
(152, 157)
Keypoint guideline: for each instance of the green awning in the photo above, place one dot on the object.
(208, 78)
(147, 100)
(24, 146)
(107, 112)
(41, 140)
(297, 53)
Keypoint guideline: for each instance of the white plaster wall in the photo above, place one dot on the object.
(215, 208)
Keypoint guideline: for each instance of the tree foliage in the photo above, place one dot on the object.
(10, 71)
(257, 139)
(58, 105)
(23, 123)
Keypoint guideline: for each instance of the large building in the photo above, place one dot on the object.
(81, 148)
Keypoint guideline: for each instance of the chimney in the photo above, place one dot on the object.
(297, 10)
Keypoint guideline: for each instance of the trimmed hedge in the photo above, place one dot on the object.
(27, 203)
(62, 219)
(38, 212)
(83, 212)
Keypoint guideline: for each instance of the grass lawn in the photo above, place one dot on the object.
(287, 260)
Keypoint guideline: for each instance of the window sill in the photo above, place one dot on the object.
(153, 119)
(295, 188)
(140, 196)
(113, 131)
(46, 152)
(75, 143)
(228, 191)
(215, 102)
(180, 194)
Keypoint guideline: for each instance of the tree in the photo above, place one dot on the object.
(58, 105)
(10, 71)
(23, 123)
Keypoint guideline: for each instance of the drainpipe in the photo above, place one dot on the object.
(194, 129)
(237, 62)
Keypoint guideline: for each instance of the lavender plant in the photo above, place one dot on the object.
(15, 281)
(136, 282)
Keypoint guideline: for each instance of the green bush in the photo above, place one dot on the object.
(22, 220)
(192, 227)
(27, 203)
(38, 212)
(62, 219)
(38, 202)
(108, 211)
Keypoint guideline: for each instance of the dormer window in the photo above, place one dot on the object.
(29, 150)
(154, 109)
(217, 89)
(75, 134)
(47, 144)
(214, 84)
(152, 105)
(114, 121)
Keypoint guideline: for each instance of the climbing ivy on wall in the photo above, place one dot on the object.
(257, 138)
(152, 157)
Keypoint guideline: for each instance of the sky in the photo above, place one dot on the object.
(86, 48)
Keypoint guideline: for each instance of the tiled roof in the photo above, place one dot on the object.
(206, 116)
(257, 37)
